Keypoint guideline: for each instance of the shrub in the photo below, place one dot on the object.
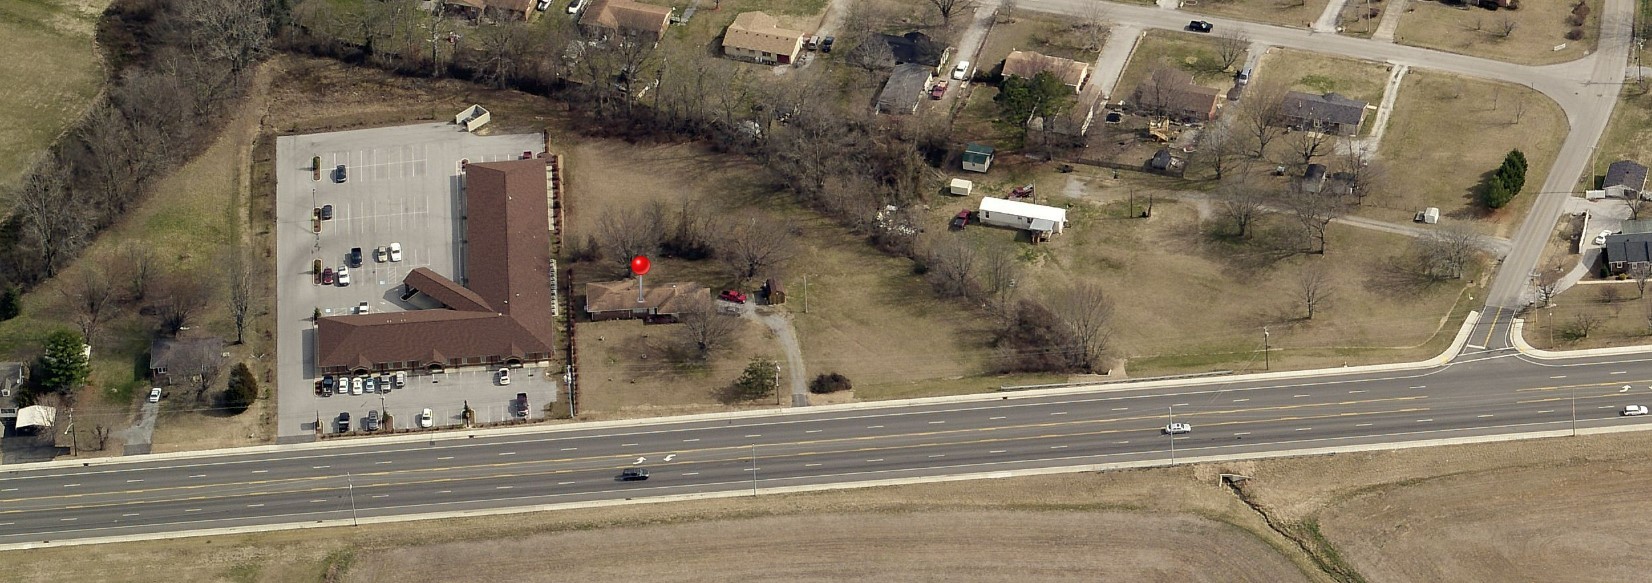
(1574, 34)
(829, 383)
(11, 303)
(1575, 19)
(242, 391)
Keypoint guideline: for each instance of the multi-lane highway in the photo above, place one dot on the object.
(1494, 394)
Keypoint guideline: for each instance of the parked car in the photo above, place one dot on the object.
(576, 6)
(385, 383)
(343, 275)
(339, 175)
(961, 219)
(401, 378)
(344, 422)
(426, 419)
(356, 386)
(938, 91)
(733, 295)
(371, 421)
(542, 5)
(527, 154)
(326, 212)
(363, 308)
(1200, 26)
(327, 381)
(1628, 410)
(504, 376)
(522, 405)
(961, 71)
(395, 251)
(1601, 238)
(355, 257)
(370, 385)
(826, 44)
(380, 255)
(633, 475)
(1177, 428)
(1243, 76)
(327, 276)
(811, 43)
(155, 395)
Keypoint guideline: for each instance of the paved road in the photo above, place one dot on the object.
(299, 485)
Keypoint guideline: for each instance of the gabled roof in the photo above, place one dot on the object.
(1171, 91)
(1028, 64)
(163, 350)
(1626, 173)
(1632, 248)
(444, 290)
(905, 88)
(915, 47)
(521, 6)
(756, 31)
(661, 298)
(1023, 209)
(627, 15)
(1327, 108)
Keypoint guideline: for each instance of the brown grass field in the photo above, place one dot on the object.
(1316, 74)
(1539, 27)
(53, 75)
(1193, 53)
(1547, 510)
(1293, 13)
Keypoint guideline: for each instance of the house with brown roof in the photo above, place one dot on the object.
(1028, 64)
(499, 9)
(660, 303)
(1329, 113)
(758, 37)
(1172, 94)
(502, 316)
(626, 18)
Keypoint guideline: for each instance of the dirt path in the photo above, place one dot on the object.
(781, 324)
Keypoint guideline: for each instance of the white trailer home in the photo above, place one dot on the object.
(1042, 221)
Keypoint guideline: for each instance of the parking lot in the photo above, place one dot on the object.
(402, 185)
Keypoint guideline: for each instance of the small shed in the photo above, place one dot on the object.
(961, 187)
(1039, 219)
(1430, 216)
(473, 117)
(977, 157)
(775, 291)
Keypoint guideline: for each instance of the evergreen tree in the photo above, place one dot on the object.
(11, 303)
(63, 367)
(242, 391)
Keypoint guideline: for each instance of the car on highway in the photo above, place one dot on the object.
(426, 418)
(1200, 26)
(733, 295)
(504, 376)
(1633, 410)
(633, 475)
(1601, 238)
(395, 251)
(344, 422)
(1177, 429)
(343, 274)
(155, 395)
(961, 71)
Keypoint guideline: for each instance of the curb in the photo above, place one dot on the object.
(1516, 330)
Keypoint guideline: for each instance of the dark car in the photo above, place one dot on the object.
(327, 381)
(961, 219)
(733, 295)
(371, 422)
(633, 475)
(1200, 26)
(327, 276)
(938, 91)
(355, 257)
(522, 405)
(326, 212)
(340, 175)
(826, 44)
(344, 422)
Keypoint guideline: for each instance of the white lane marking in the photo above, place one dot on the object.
(1558, 376)
(1240, 400)
(563, 483)
(640, 459)
(255, 506)
(1243, 433)
(133, 481)
(381, 463)
(1303, 428)
(1298, 396)
(936, 422)
(938, 455)
(755, 435)
(1619, 372)
(1607, 407)
(811, 431)
(445, 457)
(1362, 425)
(1483, 416)
(669, 456)
(503, 487)
(1181, 404)
(810, 465)
(1425, 420)
(1420, 387)
(1476, 346)
(1122, 442)
(1058, 447)
(1059, 413)
(1546, 411)
(381, 495)
(881, 427)
(569, 448)
(9, 490)
(70, 485)
(691, 440)
(997, 451)
(1355, 392)
(129, 514)
(260, 471)
(628, 445)
(1121, 408)
(68, 519)
(507, 453)
(192, 510)
(995, 418)
(319, 467)
(317, 501)
(876, 460)
(7, 523)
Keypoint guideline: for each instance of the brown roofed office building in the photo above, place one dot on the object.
(662, 303)
(757, 37)
(502, 317)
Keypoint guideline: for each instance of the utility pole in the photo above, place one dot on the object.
(352, 486)
(1574, 411)
(805, 293)
(1172, 435)
(777, 384)
(754, 470)
(1266, 364)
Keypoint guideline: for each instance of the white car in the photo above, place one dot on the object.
(395, 251)
(543, 4)
(961, 71)
(1633, 410)
(363, 308)
(343, 275)
(426, 419)
(370, 385)
(1178, 428)
(401, 378)
(1601, 238)
(575, 6)
(504, 376)
(355, 386)
(155, 395)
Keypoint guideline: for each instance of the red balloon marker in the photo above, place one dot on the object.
(639, 265)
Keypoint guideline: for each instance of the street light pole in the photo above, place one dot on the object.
(1574, 411)
(1172, 435)
(754, 470)
(352, 483)
(1266, 361)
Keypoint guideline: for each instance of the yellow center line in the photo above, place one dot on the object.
(1497, 315)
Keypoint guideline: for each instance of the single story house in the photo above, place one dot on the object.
(905, 89)
(502, 316)
(757, 37)
(1041, 220)
(12, 377)
(661, 303)
(977, 157)
(1172, 94)
(1028, 64)
(173, 360)
(1329, 113)
(1624, 179)
(1626, 251)
(626, 18)
(918, 49)
(497, 9)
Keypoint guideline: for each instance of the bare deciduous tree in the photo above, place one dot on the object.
(1314, 211)
(754, 246)
(951, 263)
(91, 297)
(1220, 148)
(137, 269)
(1261, 113)
(1446, 253)
(1636, 205)
(1506, 26)
(233, 32)
(1087, 311)
(1610, 294)
(948, 8)
(53, 219)
(1231, 45)
(1091, 26)
(199, 364)
(1547, 282)
(1641, 273)
(501, 46)
(1000, 275)
(240, 283)
(1241, 203)
(624, 234)
(1362, 175)
(1307, 145)
(1582, 324)
(871, 54)
(183, 296)
(705, 328)
(1313, 288)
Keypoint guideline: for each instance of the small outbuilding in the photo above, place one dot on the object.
(775, 291)
(961, 187)
(977, 157)
(1624, 179)
(1042, 221)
